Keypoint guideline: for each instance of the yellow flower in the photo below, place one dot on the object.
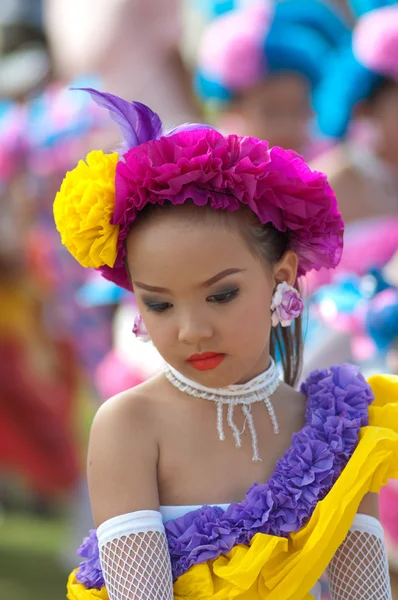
(77, 591)
(84, 207)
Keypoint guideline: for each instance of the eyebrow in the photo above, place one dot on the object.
(208, 283)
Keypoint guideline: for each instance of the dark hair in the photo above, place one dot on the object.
(286, 343)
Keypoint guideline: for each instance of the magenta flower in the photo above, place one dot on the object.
(195, 163)
(286, 305)
(204, 167)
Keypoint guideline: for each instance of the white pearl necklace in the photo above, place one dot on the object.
(244, 395)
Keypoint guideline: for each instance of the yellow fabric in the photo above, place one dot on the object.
(77, 591)
(274, 568)
(83, 209)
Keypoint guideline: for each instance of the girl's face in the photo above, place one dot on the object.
(278, 111)
(200, 290)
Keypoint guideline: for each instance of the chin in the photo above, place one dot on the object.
(222, 376)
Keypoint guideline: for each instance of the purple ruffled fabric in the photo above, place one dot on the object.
(337, 407)
(90, 572)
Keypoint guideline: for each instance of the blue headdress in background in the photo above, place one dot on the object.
(244, 45)
(349, 77)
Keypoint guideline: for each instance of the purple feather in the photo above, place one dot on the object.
(138, 123)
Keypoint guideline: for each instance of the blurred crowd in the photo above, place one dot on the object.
(316, 76)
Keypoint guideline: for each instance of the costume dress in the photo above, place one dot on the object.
(277, 542)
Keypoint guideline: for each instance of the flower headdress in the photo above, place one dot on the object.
(99, 200)
(358, 67)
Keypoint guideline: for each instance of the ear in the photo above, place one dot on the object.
(286, 268)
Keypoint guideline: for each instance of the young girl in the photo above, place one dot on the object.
(216, 479)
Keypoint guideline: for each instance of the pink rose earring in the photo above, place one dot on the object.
(140, 330)
(286, 305)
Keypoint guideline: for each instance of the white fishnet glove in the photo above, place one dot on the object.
(359, 569)
(135, 558)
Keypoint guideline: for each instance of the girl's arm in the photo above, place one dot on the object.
(122, 475)
(359, 569)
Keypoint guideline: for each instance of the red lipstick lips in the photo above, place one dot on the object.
(206, 361)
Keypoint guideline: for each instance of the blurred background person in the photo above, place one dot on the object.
(259, 64)
(37, 362)
(132, 46)
(357, 104)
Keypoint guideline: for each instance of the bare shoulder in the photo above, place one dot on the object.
(123, 454)
(125, 410)
(369, 505)
(292, 406)
(291, 396)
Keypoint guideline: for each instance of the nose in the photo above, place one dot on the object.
(194, 329)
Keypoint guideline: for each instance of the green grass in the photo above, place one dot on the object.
(30, 566)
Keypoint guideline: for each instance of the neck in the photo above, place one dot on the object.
(262, 381)
(259, 389)
(259, 367)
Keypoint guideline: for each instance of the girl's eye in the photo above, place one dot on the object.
(223, 297)
(158, 307)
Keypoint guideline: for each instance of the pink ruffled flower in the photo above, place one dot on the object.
(224, 172)
(232, 50)
(286, 305)
(139, 329)
(375, 41)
